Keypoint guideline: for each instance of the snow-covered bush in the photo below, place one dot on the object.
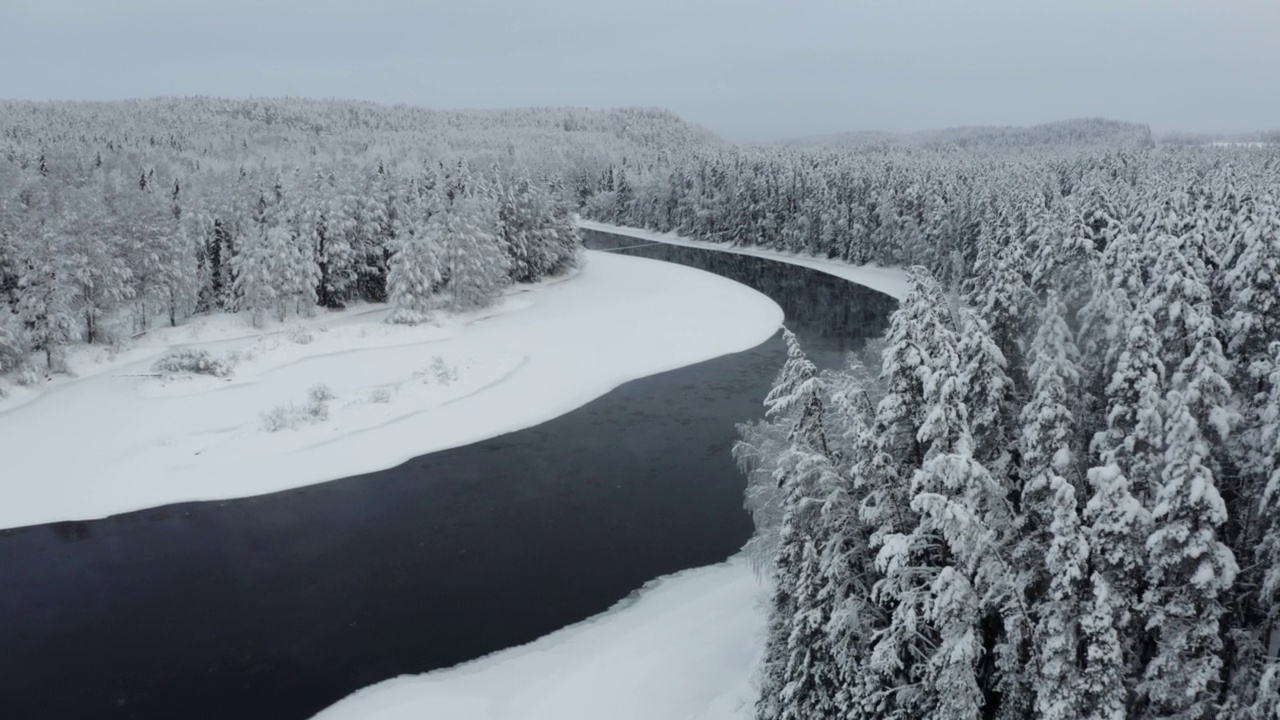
(439, 371)
(28, 375)
(319, 394)
(301, 336)
(290, 416)
(13, 342)
(443, 372)
(278, 418)
(195, 362)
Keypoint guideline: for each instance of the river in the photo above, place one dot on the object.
(279, 605)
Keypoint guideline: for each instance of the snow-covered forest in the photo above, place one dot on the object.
(118, 216)
(1052, 491)
(1058, 494)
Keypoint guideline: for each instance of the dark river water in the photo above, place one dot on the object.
(279, 605)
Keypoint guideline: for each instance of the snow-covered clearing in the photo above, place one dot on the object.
(890, 281)
(116, 438)
(686, 648)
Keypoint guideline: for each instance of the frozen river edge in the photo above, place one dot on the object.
(139, 440)
(684, 646)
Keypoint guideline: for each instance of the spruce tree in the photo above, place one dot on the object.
(416, 267)
(800, 678)
(1052, 553)
(474, 268)
(1265, 700)
(1188, 571)
(1115, 527)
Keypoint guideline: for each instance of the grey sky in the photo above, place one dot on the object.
(749, 69)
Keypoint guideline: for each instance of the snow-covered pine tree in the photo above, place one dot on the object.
(415, 269)
(800, 678)
(948, 569)
(378, 208)
(1181, 301)
(1004, 301)
(1130, 459)
(989, 399)
(519, 217)
(254, 284)
(274, 268)
(93, 239)
(890, 675)
(474, 265)
(1065, 258)
(14, 344)
(992, 410)
(298, 273)
(1247, 292)
(1190, 566)
(938, 538)
(561, 247)
(325, 221)
(102, 278)
(1265, 702)
(217, 270)
(848, 559)
(1134, 436)
(1115, 526)
(920, 324)
(146, 231)
(1254, 287)
(1099, 338)
(1188, 571)
(1052, 554)
(46, 297)
(797, 396)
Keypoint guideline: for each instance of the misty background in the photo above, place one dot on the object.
(751, 70)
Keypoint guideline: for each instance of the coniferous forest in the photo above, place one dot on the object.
(1052, 491)
(1056, 495)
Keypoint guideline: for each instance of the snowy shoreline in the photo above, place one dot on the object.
(685, 645)
(117, 439)
(890, 281)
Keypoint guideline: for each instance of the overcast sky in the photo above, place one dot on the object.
(749, 69)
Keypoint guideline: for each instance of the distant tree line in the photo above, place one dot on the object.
(117, 216)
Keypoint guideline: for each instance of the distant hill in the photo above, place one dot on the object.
(293, 131)
(1088, 132)
(1265, 137)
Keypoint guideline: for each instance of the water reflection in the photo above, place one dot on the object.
(830, 315)
(72, 531)
(277, 606)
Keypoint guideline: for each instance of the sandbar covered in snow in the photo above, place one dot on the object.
(890, 281)
(117, 437)
(685, 648)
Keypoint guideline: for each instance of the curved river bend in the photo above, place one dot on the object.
(279, 605)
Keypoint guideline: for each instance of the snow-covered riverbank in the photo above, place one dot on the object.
(115, 439)
(890, 281)
(687, 646)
